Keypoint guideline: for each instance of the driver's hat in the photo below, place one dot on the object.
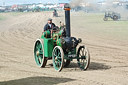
(49, 19)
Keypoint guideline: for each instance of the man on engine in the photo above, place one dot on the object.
(49, 26)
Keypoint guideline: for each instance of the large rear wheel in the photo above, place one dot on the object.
(39, 53)
(58, 58)
(83, 58)
(115, 18)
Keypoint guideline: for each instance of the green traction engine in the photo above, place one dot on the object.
(60, 47)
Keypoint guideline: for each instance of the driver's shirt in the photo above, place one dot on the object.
(49, 26)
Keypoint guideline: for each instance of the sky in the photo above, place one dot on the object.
(11, 2)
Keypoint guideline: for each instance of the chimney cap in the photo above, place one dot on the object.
(67, 6)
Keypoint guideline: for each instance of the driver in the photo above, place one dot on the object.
(49, 26)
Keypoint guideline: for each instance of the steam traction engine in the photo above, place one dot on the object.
(61, 47)
(113, 15)
(55, 14)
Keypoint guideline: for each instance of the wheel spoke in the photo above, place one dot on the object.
(80, 60)
(83, 52)
(55, 52)
(59, 54)
(80, 54)
(39, 59)
(40, 46)
(41, 53)
(56, 63)
(83, 63)
(59, 62)
(58, 57)
(37, 48)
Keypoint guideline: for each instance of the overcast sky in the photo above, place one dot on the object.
(11, 2)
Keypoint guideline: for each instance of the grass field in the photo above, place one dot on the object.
(95, 23)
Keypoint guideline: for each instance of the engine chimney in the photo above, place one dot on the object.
(67, 19)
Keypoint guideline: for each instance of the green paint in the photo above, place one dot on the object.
(38, 48)
(57, 61)
(59, 42)
(48, 47)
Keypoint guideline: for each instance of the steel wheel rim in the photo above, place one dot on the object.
(57, 58)
(83, 58)
(38, 52)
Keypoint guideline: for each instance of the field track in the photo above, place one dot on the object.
(107, 42)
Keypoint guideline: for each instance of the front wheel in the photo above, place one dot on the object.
(39, 53)
(105, 19)
(83, 58)
(58, 58)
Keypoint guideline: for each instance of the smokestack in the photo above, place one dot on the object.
(67, 19)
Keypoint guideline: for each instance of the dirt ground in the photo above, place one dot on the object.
(107, 43)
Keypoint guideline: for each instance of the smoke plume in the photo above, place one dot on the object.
(108, 5)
